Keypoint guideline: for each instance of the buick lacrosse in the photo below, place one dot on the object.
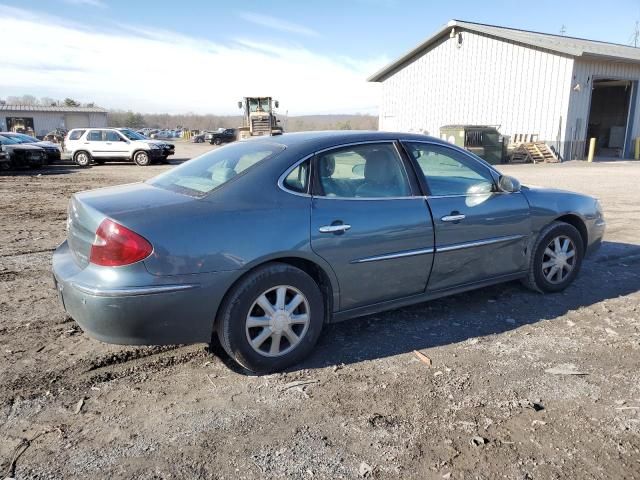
(263, 242)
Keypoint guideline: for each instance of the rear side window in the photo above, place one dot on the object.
(94, 136)
(298, 178)
(76, 134)
(202, 175)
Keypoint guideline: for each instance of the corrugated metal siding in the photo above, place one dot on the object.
(45, 122)
(584, 73)
(484, 81)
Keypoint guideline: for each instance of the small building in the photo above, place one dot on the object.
(531, 85)
(42, 120)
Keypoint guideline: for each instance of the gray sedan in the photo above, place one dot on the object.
(263, 242)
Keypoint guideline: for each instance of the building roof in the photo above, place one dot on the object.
(574, 47)
(59, 109)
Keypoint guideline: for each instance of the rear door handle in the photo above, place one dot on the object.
(334, 228)
(453, 218)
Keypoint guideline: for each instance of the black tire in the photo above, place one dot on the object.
(231, 324)
(217, 141)
(82, 159)
(537, 278)
(141, 158)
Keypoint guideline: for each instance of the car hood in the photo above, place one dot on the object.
(22, 146)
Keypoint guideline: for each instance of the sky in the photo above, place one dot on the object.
(203, 56)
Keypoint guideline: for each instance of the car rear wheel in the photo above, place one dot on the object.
(82, 159)
(217, 141)
(272, 319)
(141, 159)
(556, 258)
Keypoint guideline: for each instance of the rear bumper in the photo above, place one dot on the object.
(165, 310)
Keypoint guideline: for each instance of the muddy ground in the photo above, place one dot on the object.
(363, 405)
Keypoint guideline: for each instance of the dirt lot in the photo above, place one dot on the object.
(364, 405)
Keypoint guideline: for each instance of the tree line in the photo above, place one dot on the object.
(193, 121)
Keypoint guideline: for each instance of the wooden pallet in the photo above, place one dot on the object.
(534, 152)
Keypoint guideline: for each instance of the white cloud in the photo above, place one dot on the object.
(278, 24)
(89, 3)
(133, 67)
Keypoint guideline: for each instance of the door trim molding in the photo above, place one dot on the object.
(477, 243)
(389, 256)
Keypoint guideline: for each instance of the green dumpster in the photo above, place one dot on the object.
(482, 140)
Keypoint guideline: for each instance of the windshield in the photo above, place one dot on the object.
(27, 138)
(131, 135)
(202, 175)
(259, 105)
(8, 140)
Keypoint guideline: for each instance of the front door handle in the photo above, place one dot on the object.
(453, 218)
(334, 228)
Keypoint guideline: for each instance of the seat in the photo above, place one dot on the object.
(382, 176)
(327, 167)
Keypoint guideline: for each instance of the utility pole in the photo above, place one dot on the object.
(563, 29)
(636, 35)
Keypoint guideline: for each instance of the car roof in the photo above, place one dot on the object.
(328, 138)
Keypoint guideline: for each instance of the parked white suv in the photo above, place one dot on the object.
(84, 145)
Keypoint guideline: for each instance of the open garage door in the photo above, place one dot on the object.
(76, 120)
(610, 119)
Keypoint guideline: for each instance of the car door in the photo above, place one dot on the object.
(94, 142)
(480, 232)
(116, 145)
(368, 224)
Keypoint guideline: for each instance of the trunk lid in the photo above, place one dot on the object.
(128, 205)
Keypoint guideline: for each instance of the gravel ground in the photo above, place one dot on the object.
(363, 406)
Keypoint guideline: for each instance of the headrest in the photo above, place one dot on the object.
(222, 174)
(327, 166)
(380, 167)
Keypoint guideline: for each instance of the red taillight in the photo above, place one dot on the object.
(115, 246)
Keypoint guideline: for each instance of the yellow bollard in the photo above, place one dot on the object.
(592, 149)
(636, 153)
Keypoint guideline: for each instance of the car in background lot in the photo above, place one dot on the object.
(52, 150)
(225, 136)
(349, 224)
(4, 161)
(21, 154)
(168, 149)
(86, 145)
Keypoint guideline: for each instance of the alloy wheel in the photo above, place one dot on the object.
(277, 321)
(558, 259)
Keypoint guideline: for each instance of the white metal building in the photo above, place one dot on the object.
(42, 120)
(562, 89)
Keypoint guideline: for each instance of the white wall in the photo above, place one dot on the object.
(484, 81)
(45, 122)
(583, 74)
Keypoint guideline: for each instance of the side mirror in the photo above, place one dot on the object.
(239, 104)
(509, 184)
(358, 170)
(277, 103)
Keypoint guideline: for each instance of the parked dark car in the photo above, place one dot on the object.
(225, 136)
(4, 161)
(199, 138)
(52, 150)
(263, 242)
(22, 154)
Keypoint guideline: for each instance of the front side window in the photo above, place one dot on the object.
(202, 175)
(94, 136)
(363, 171)
(112, 136)
(448, 172)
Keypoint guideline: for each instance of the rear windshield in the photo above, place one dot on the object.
(202, 175)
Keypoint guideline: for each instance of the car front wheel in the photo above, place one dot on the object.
(217, 141)
(141, 158)
(556, 258)
(272, 319)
